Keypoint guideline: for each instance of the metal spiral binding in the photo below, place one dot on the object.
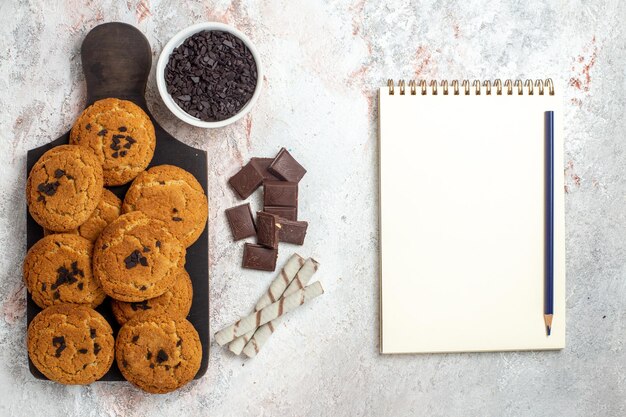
(464, 87)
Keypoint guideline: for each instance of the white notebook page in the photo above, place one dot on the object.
(462, 223)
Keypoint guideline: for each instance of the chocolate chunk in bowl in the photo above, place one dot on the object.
(209, 75)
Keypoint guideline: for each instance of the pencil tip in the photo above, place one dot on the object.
(548, 320)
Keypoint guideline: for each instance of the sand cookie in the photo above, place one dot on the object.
(64, 187)
(108, 209)
(176, 301)
(121, 136)
(57, 269)
(158, 353)
(173, 195)
(137, 258)
(71, 344)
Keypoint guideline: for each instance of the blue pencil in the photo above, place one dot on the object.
(548, 306)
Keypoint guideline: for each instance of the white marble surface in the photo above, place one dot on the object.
(323, 61)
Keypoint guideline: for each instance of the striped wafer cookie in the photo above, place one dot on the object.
(258, 338)
(301, 279)
(275, 291)
(269, 313)
(277, 287)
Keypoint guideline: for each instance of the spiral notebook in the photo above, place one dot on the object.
(462, 206)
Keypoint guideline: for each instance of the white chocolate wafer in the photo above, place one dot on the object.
(299, 281)
(275, 291)
(277, 287)
(263, 333)
(261, 336)
(269, 313)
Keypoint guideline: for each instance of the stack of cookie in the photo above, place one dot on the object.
(96, 246)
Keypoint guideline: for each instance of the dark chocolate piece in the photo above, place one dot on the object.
(289, 213)
(286, 167)
(246, 181)
(135, 258)
(259, 257)
(292, 232)
(280, 193)
(48, 188)
(261, 164)
(240, 221)
(162, 356)
(65, 276)
(267, 229)
(140, 305)
(59, 343)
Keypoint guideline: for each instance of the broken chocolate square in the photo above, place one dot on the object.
(246, 181)
(240, 221)
(261, 165)
(289, 213)
(280, 193)
(267, 229)
(286, 167)
(259, 257)
(292, 232)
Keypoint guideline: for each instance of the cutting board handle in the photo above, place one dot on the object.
(116, 61)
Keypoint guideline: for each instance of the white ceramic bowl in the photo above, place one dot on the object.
(178, 39)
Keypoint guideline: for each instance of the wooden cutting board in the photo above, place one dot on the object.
(116, 60)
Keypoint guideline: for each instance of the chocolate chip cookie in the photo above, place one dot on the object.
(176, 301)
(64, 187)
(121, 136)
(57, 269)
(173, 195)
(137, 258)
(71, 344)
(108, 209)
(158, 353)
